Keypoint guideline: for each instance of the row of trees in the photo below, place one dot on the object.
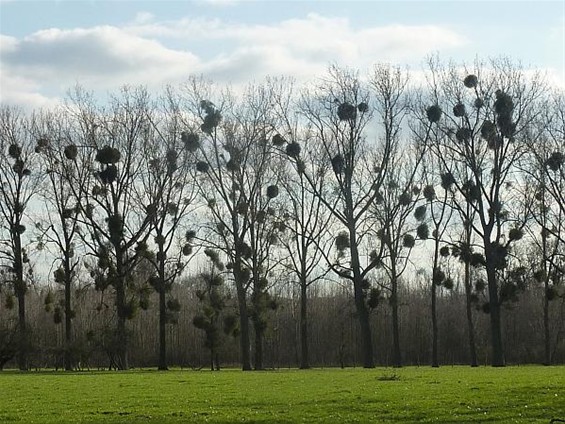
(333, 329)
(366, 182)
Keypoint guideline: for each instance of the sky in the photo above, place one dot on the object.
(48, 47)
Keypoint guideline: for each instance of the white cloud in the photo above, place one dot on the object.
(8, 44)
(104, 57)
(299, 47)
(317, 37)
(99, 58)
(24, 92)
(552, 76)
(143, 18)
(220, 2)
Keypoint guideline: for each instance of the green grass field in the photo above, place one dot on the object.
(528, 394)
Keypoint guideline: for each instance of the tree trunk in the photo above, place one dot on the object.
(162, 329)
(396, 354)
(469, 310)
(68, 321)
(211, 359)
(68, 359)
(258, 348)
(546, 333)
(121, 331)
(365, 327)
(217, 358)
(495, 315)
(435, 362)
(22, 356)
(244, 339)
(20, 288)
(360, 305)
(304, 362)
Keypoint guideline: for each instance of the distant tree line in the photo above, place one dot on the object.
(359, 220)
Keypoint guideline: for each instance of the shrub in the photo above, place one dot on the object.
(463, 134)
(242, 208)
(342, 241)
(408, 241)
(346, 112)
(447, 180)
(551, 293)
(214, 256)
(448, 283)
(374, 298)
(477, 259)
(420, 213)
(422, 231)
(278, 140)
(438, 277)
(108, 155)
(272, 191)
(14, 151)
(405, 199)
(18, 166)
(293, 149)
(555, 161)
(191, 141)
(338, 163)
(71, 152)
(232, 165)
(459, 110)
(433, 113)
(173, 305)
(211, 121)
(444, 251)
(42, 143)
(202, 166)
(515, 234)
(108, 175)
(488, 130)
(57, 315)
(503, 105)
(471, 191)
(470, 81)
(116, 226)
(429, 193)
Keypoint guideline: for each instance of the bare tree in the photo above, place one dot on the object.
(544, 196)
(486, 120)
(59, 226)
(338, 114)
(305, 237)
(239, 184)
(168, 186)
(212, 318)
(111, 147)
(398, 230)
(20, 178)
(304, 227)
(464, 251)
(437, 212)
(548, 155)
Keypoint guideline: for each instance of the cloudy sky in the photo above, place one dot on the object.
(46, 47)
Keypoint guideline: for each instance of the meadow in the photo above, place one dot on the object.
(525, 394)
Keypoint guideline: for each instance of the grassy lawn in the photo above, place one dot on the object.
(528, 394)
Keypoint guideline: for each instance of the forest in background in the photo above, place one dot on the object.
(358, 220)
